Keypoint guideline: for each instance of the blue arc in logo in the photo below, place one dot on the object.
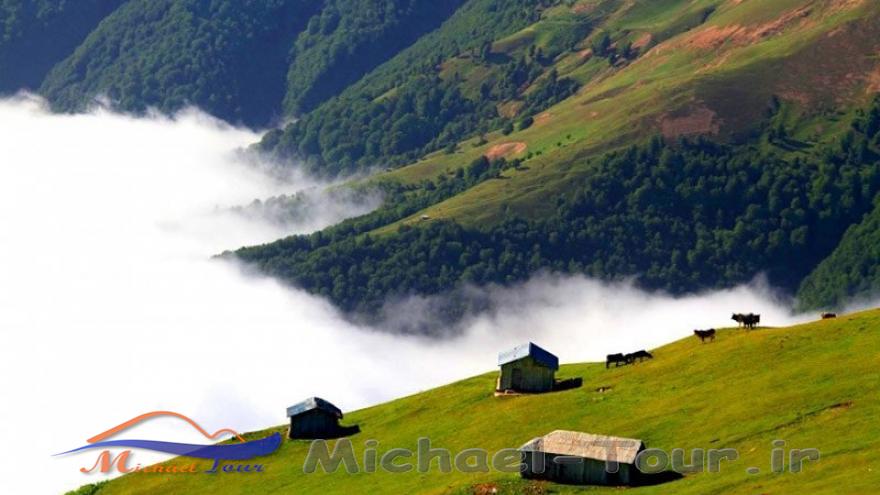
(229, 452)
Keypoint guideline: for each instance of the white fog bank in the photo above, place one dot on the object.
(110, 304)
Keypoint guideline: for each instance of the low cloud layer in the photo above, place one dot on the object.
(111, 306)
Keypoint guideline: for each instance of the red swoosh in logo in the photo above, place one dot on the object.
(143, 417)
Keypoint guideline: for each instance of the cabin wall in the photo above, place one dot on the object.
(526, 375)
(541, 466)
(314, 424)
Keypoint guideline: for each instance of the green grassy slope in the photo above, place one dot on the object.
(812, 385)
(716, 79)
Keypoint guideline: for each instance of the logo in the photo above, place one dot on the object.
(219, 453)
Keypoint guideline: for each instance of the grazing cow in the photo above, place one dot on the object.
(705, 334)
(617, 359)
(640, 355)
(828, 316)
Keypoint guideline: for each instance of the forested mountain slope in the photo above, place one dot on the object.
(37, 34)
(227, 57)
(410, 106)
(690, 145)
(351, 37)
(852, 272)
(683, 217)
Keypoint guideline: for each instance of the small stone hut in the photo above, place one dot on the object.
(573, 457)
(527, 368)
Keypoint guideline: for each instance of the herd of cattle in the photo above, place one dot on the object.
(747, 320)
(625, 359)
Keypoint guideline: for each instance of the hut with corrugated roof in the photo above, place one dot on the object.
(316, 418)
(527, 368)
(581, 458)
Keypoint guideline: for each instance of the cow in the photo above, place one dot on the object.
(749, 320)
(617, 359)
(738, 317)
(640, 355)
(705, 334)
(828, 316)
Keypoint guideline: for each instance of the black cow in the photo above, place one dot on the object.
(640, 355)
(705, 334)
(752, 320)
(617, 359)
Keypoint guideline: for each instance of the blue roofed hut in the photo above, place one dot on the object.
(527, 368)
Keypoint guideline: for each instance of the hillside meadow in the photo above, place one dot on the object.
(808, 385)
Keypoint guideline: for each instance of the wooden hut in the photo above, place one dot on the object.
(581, 458)
(527, 368)
(316, 418)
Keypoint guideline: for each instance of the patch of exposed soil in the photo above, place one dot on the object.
(510, 109)
(583, 8)
(837, 5)
(714, 37)
(485, 489)
(543, 118)
(700, 121)
(505, 150)
(642, 41)
(874, 81)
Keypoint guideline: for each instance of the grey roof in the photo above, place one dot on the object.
(587, 445)
(538, 354)
(311, 404)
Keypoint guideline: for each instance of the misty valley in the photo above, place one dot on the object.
(536, 227)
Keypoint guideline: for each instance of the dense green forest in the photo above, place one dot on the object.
(853, 269)
(37, 34)
(351, 37)
(227, 57)
(679, 216)
(851, 272)
(256, 62)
